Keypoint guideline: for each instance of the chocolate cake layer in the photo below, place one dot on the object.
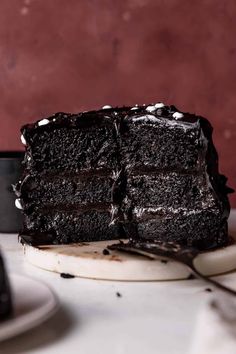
(199, 228)
(89, 176)
(69, 226)
(66, 188)
(169, 190)
(5, 294)
(154, 142)
(72, 142)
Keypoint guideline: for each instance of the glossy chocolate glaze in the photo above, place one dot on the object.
(152, 171)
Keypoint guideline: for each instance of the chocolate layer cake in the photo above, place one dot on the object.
(137, 172)
(5, 295)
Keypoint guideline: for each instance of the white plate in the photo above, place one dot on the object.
(33, 303)
(88, 261)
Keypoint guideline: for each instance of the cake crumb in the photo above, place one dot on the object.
(118, 294)
(105, 252)
(208, 290)
(67, 276)
(164, 261)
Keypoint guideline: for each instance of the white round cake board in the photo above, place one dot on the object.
(88, 261)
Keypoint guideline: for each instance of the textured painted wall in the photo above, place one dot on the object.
(70, 55)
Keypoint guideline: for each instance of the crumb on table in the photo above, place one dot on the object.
(105, 252)
(208, 290)
(67, 276)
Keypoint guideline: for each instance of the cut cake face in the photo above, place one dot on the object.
(137, 172)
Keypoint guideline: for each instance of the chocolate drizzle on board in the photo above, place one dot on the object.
(154, 249)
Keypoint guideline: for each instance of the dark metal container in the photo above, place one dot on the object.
(10, 172)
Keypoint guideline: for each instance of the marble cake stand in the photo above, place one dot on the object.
(88, 261)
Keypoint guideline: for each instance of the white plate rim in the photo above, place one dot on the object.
(15, 326)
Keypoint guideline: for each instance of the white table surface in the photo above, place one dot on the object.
(155, 317)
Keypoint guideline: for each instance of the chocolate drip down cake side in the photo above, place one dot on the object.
(148, 172)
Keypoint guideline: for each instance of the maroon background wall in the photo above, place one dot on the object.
(70, 55)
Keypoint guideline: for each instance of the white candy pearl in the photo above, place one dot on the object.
(133, 108)
(18, 204)
(43, 122)
(150, 108)
(159, 105)
(177, 115)
(22, 138)
(107, 106)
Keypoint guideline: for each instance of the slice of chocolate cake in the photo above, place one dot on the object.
(5, 295)
(138, 172)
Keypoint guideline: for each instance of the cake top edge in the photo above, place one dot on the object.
(148, 113)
